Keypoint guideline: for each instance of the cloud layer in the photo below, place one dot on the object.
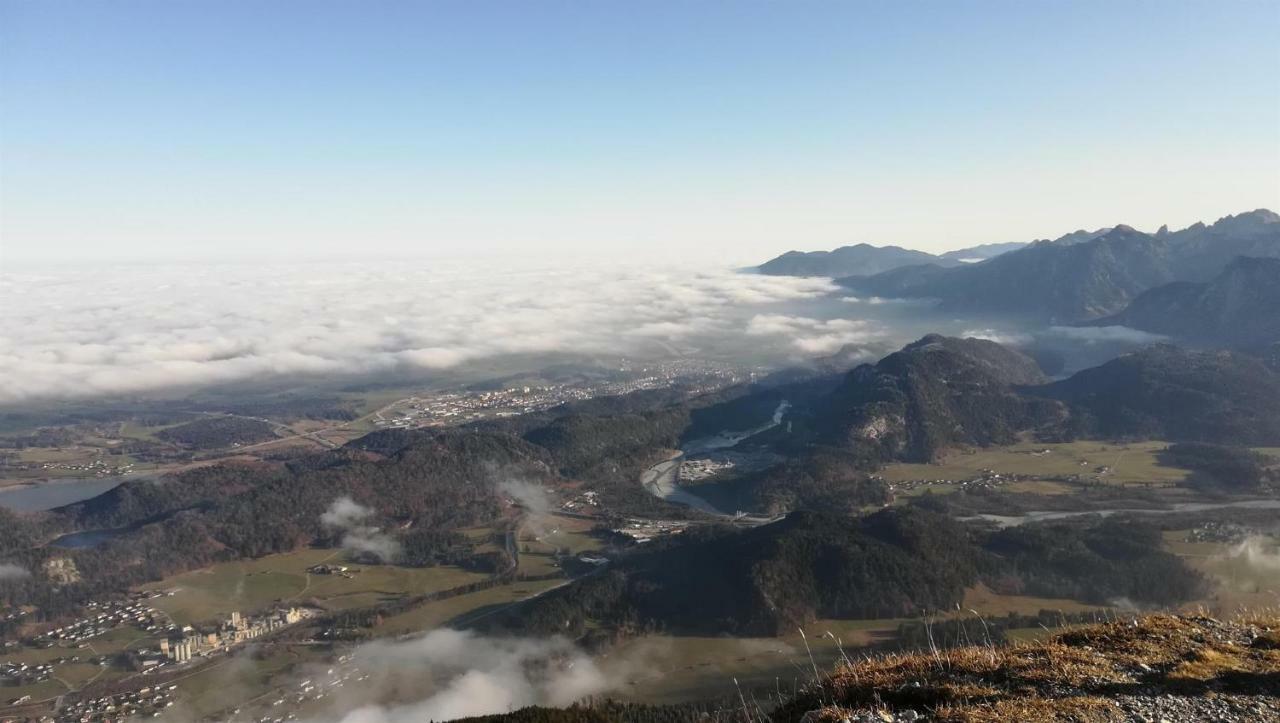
(84, 332)
(470, 675)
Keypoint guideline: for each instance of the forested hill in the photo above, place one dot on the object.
(936, 393)
(893, 563)
(432, 481)
(1165, 392)
(1240, 307)
(943, 393)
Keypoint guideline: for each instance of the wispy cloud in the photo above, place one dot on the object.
(351, 519)
(1103, 334)
(10, 571)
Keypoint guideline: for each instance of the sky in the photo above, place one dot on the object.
(702, 131)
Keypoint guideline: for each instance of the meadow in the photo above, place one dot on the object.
(543, 538)
(248, 585)
(1129, 464)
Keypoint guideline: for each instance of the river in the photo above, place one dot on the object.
(660, 479)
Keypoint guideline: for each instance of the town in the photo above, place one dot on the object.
(235, 630)
(94, 468)
(105, 616)
(146, 701)
(460, 407)
(170, 647)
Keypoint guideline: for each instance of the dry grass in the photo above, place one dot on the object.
(1082, 709)
(1069, 676)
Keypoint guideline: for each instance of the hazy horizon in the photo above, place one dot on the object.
(598, 257)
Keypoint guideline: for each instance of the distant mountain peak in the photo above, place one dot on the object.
(1258, 215)
(860, 259)
(1077, 236)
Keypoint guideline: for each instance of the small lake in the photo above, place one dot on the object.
(89, 538)
(43, 496)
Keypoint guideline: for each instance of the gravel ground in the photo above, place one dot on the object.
(1219, 709)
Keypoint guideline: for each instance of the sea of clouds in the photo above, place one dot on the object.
(81, 332)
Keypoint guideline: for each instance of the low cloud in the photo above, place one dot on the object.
(880, 301)
(1259, 553)
(533, 498)
(1007, 338)
(350, 519)
(1100, 334)
(10, 571)
(814, 336)
(468, 674)
(80, 333)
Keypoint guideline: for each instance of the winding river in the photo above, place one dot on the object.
(660, 479)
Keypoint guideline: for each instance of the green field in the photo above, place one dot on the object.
(44, 690)
(988, 602)
(248, 585)
(463, 607)
(672, 669)
(539, 543)
(1135, 463)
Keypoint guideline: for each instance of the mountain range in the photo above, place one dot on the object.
(858, 260)
(1078, 277)
(1066, 282)
(867, 260)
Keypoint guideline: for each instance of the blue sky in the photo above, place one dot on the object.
(697, 129)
